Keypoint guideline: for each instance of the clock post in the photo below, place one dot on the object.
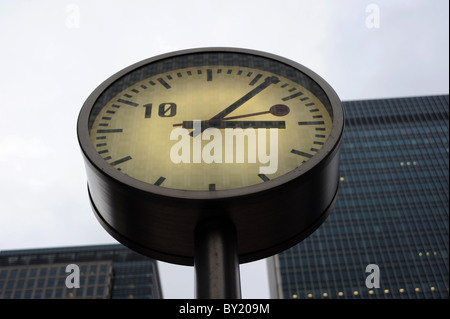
(216, 260)
(212, 157)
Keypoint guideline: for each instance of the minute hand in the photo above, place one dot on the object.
(268, 81)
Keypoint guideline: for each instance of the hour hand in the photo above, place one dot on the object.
(235, 124)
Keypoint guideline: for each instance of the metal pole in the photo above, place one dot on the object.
(216, 261)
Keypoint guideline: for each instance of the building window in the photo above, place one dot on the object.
(10, 284)
(38, 294)
(58, 293)
(79, 292)
(20, 284)
(48, 293)
(100, 291)
(30, 283)
(33, 272)
(93, 270)
(40, 283)
(50, 282)
(43, 272)
(53, 271)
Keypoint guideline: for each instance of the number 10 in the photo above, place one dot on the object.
(164, 110)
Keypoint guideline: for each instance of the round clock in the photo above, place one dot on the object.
(206, 133)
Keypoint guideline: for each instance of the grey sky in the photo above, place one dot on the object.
(55, 53)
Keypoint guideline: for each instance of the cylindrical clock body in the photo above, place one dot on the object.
(144, 199)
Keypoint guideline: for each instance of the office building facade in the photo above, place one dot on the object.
(388, 234)
(103, 271)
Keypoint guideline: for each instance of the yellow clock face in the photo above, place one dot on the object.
(209, 127)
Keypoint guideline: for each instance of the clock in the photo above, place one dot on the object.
(199, 133)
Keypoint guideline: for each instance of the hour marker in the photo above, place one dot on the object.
(143, 86)
(255, 79)
(212, 187)
(120, 161)
(314, 110)
(319, 136)
(111, 130)
(208, 75)
(318, 143)
(301, 153)
(127, 102)
(293, 96)
(160, 181)
(312, 123)
(103, 152)
(135, 91)
(106, 118)
(164, 83)
(101, 144)
(179, 75)
(263, 177)
(309, 104)
(111, 112)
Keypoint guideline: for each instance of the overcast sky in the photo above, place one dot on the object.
(53, 54)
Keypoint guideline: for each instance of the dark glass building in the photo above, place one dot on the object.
(105, 272)
(392, 209)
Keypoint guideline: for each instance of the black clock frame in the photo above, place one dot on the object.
(269, 217)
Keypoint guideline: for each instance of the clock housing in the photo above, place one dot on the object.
(154, 208)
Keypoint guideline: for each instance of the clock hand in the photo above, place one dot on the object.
(277, 110)
(236, 124)
(268, 81)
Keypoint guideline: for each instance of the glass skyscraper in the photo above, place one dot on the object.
(392, 209)
(105, 272)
